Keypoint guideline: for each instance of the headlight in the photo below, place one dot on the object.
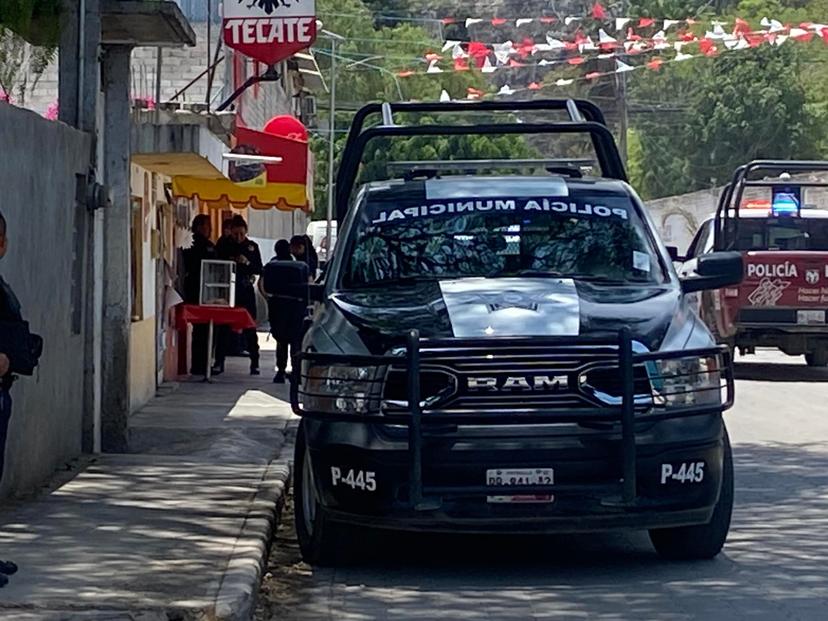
(342, 389)
(686, 382)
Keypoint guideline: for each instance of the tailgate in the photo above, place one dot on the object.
(783, 287)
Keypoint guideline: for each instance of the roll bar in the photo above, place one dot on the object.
(584, 118)
(730, 200)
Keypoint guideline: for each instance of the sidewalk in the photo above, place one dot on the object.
(178, 529)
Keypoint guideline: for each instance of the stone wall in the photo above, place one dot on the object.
(44, 265)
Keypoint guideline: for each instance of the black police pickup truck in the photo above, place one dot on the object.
(509, 354)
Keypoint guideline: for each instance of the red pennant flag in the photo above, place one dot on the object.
(645, 22)
(580, 37)
(577, 60)
(432, 57)
(687, 37)
(593, 75)
(534, 86)
(474, 93)
(755, 40)
(460, 64)
(570, 46)
(514, 63)
(405, 74)
(824, 34)
(598, 11)
(655, 65)
(498, 21)
(740, 27)
(448, 21)
(631, 36)
(804, 37)
(548, 20)
(706, 45)
(479, 52)
(526, 48)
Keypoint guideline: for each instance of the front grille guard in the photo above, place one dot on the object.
(368, 407)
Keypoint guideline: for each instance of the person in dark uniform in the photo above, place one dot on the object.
(302, 250)
(201, 250)
(225, 243)
(248, 258)
(285, 285)
(9, 311)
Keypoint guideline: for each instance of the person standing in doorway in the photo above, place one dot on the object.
(9, 311)
(285, 285)
(248, 260)
(201, 250)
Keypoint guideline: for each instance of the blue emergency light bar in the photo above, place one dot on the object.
(787, 201)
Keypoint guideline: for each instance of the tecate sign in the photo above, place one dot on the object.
(269, 30)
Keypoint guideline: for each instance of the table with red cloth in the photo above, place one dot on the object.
(236, 317)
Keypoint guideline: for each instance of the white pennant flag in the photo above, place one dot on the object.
(506, 90)
(718, 33)
(730, 41)
(488, 67)
(458, 52)
(681, 56)
(678, 45)
(606, 56)
(523, 21)
(620, 22)
(798, 32)
(563, 82)
(544, 62)
(780, 39)
(669, 23)
(588, 46)
(445, 97)
(773, 24)
(660, 41)
(570, 19)
(554, 43)
(471, 21)
(541, 47)
(622, 67)
(605, 39)
(742, 44)
(433, 68)
(449, 45)
(628, 45)
(502, 51)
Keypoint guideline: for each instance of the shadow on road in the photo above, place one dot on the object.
(779, 372)
(773, 566)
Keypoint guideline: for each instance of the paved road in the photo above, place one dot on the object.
(775, 564)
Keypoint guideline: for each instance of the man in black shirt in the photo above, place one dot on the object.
(9, 311)
(285, 284)
(201, 250)
(245, 252)
(225, 243)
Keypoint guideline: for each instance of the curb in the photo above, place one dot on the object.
(239, 589)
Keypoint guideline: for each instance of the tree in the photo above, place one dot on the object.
(368, 62)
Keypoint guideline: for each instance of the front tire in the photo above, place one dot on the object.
(317, 535)
(817, 358)
(704, 541)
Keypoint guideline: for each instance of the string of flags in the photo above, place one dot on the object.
(491, 57)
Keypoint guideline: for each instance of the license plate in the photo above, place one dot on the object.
(519, 477)
(810, 317)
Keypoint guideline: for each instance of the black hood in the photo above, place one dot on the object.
(480, 307)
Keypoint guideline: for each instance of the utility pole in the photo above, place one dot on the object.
(331, 141)
(621, 101)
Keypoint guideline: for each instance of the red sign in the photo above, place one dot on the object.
(269, 30)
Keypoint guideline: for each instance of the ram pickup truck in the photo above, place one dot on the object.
(509, 354)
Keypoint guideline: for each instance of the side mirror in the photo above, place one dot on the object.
(673, 251)
(316, 292)
(714, 271)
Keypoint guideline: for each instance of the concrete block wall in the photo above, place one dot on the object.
(37, 198)
(179, 67)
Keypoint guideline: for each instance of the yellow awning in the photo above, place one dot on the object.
(223, 193)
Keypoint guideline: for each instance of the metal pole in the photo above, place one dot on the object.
(159, 62)
(209, 48)
(331, 141)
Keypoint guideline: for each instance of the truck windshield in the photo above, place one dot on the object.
(597, 237)
(783, 234)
